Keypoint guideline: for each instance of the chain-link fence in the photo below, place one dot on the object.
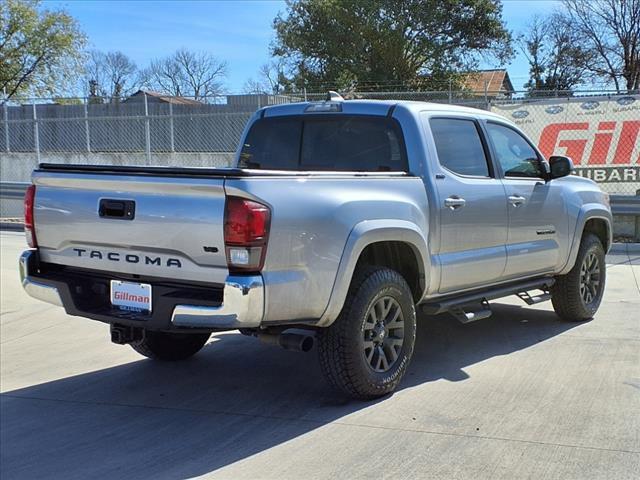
(599, 130)
(600, 133)
(128, 126)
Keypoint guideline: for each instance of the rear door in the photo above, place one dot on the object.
(471, 205)
(537, 211)
(160, 226)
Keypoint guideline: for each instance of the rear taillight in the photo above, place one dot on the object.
(246, 231)
(29, 224)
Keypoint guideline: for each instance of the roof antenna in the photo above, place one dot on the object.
(334, 97)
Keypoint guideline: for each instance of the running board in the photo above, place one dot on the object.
(465, 314)
(456, 304)
(529, 299)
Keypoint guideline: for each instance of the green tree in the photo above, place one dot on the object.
(374, 43)
(40, 49)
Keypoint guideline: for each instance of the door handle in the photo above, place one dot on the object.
(119, 209)
(516, 200)
(454, 202)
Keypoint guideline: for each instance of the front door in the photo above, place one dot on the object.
(537, 216)
(471, 205)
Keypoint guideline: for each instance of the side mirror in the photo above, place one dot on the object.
(560, 166)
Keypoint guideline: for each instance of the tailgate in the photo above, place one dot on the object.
(170, 227)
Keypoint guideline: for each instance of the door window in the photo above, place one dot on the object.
(459, 146)
(514, 153)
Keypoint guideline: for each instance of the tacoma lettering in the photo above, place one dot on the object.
(129, 258)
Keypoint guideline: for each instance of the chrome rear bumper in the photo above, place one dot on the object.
(242, 305)
(46, 293)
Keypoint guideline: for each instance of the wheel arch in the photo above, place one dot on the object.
(395, 244)
(594, 219)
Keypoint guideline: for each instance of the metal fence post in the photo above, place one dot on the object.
(86, 125)
(147, 130)
(450, 92)
(36, 132)
(171, 127)
(5, 115)
(486, 93)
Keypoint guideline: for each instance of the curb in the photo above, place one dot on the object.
(11, 226)
(625, 248)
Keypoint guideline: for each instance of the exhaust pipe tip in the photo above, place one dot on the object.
(297, 342)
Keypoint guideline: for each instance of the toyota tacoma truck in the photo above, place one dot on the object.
(338, 221)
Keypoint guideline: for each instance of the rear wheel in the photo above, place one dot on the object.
(576, 296)
(367, 350)
(170, 346)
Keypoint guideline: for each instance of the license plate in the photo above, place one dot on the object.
(131, 296)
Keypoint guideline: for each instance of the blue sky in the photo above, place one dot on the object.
(237, 31)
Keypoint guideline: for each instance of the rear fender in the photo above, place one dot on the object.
(362, 235)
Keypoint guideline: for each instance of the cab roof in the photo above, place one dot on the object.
(370, 107)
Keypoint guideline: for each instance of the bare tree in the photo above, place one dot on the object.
(186, 73)
(121, 70)
(94, 74)
(271, 79)
(610, 30)
(111, 75)
(556, 59)
(163, 75)
(255, 87)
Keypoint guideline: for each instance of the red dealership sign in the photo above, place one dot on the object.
(601, 135)
(608, 143)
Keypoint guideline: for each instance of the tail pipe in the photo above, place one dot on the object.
(296, 341)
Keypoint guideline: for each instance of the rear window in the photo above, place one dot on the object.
(327, 142)
(459, 146)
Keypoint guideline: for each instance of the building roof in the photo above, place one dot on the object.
(497, 82)
(163, 97)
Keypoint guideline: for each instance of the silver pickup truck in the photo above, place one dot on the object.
(339, 220)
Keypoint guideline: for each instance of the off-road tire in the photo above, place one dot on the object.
(567, 300)
(170, 346)
(341, 345)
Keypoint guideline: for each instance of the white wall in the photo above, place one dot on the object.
(17, 167)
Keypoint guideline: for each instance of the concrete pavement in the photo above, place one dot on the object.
(519, 395)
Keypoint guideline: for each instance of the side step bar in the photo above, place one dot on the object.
(474, 305)
(468, 313)
(527, 298)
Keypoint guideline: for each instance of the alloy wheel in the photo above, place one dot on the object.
(383, 334)
(590, 278)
